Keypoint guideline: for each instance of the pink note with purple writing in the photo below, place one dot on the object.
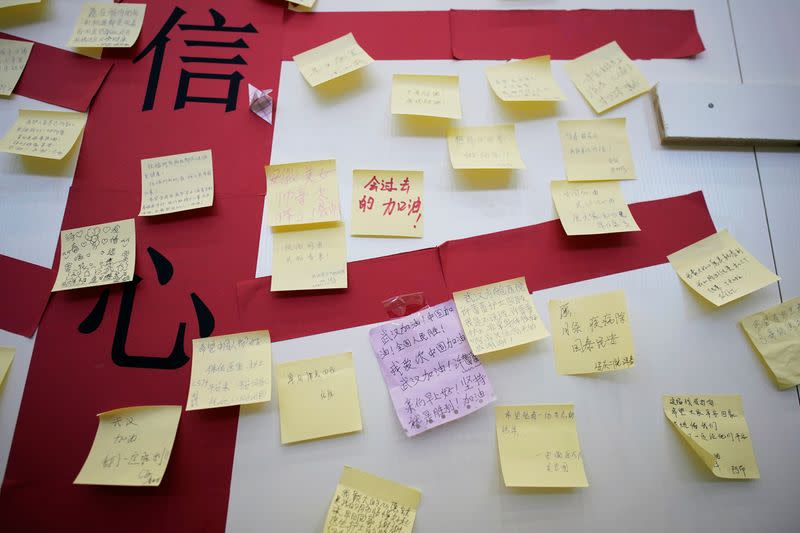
(432, 375)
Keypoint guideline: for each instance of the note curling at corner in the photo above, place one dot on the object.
(331, 60)
(715, 428)
(132, 446)
(13, 58)
(606, 77)
(426, 95)
(775, 334)
(720, 270)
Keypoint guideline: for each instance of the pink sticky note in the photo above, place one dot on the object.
(432, 375)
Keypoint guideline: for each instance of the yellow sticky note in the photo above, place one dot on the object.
(484, 147)
(715, 428)
(6, 357)
(363, 498)
(498, 316)
(596, 150)
(13, 58)
(132, 446)
(775, 333)
(302, 193)
(526, 80)
(305, 3)
(539, 446)
(589, 208)
(606, 77)
(331, 60)
(48, 134)
(425, 95)
(177, 183)
(387, 203)
(720, 269)
(309, 259)
(97, 255)
(592, 333)
(318, 397)
(230, 370)
(108, 25)
(10, 3)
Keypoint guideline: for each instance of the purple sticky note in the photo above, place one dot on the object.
(430, 370)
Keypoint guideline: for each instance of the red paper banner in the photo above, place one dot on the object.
(508, 34)
(60, 77)
(128, 344)
(502, 34)
(388, 35)
(547, 257)
(542, 253)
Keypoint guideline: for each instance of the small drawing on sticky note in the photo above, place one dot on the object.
(108, 25)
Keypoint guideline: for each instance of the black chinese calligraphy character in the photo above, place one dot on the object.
(177, 357)
(158, 46)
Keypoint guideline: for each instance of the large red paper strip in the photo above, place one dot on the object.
(542, 253)
(60, 77)
(384, 35)
(642, 33)
(547, 257)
